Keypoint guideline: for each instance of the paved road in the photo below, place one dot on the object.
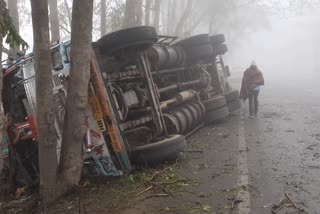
(257, 161)
(242, 165)
(284, 144)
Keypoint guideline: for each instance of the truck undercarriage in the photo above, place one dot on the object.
(147, 93)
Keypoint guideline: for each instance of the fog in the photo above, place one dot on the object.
(290, 44)
(282, 45)
(287, 53)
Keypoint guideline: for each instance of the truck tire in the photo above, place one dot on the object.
(161, 151)
(142, 35)
(194, 41)
(217, 115)
(220, 49)
(232, 96)
(200, 52)
(234, 105)
(215, 103)
(217, 39)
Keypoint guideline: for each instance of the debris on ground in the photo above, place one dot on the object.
(287, 203)
(200, 208)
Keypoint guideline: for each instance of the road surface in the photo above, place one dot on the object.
(268, 164)
(256, 165)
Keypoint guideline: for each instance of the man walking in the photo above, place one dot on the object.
(251, 82)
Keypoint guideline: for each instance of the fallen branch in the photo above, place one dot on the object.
(291, 202)
(145, 190)
(162, 187)
(311, 146)
(156, 196)
(196, 151)
(234, 203)
(156, 174)
(174, 182)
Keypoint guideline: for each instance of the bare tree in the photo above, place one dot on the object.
(68, 11)
(184, 18)
(156, 20)
(133, 13)
(139, 12)
(65, 18)
(147, 12)
(129, 14)
(13, 12)
(54, 20)
(172, 14)
(75, 120)
(103, 18)
(44, 95)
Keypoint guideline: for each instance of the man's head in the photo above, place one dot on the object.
(253, 64)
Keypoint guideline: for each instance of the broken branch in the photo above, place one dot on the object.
(145, 190)
(291, 202)
(156, 174)
(162, 187)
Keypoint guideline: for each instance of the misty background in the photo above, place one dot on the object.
(281, 36)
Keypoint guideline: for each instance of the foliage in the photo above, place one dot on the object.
(9, 31)
(65, 10)
(24, 11)
(115, 14)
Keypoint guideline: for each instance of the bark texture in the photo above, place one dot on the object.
(77, 102)
(44, 92)
(2, 125)
(54, 21)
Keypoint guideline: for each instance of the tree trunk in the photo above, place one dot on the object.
(156, 20)
(138, 12)
(2, 125)
(103, 18)
(130, 14)
(54, 21)
(44, 96)
(171, 22)
(13, 12)
(196, 23)
(147, 12)
(75, 128)
(183, 18)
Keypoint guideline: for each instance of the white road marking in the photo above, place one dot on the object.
(243, 171)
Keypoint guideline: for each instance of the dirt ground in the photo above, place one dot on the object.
(268, 164)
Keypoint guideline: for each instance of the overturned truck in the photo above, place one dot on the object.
(146, 94)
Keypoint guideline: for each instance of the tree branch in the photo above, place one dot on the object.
(183, 18)
(65, 29)
(68, 11)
